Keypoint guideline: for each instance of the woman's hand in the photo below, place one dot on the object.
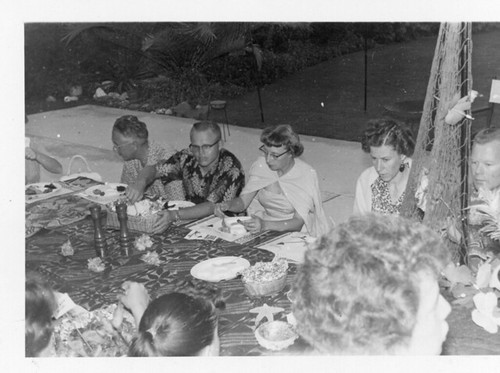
(163, 223)
(136, 298)
(135, 192)
(253, 225)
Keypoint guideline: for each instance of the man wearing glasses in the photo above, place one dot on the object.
(130, 141)
(209, 174)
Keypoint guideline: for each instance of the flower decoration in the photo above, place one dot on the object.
(480, 290)
(151, 257)
(96, 264)
(265, 311)
(67, 249)
(143, 242)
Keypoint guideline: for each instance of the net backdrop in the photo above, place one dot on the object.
(442, 150)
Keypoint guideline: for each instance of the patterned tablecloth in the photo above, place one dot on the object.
(177, 255)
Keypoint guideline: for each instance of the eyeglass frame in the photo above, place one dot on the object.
(273, 156)
(204, 147)
(116, 147)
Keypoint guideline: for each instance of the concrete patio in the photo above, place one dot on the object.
(86, 130)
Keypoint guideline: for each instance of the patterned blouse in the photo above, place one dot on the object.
(223, 183)
(381, 198)
(157, 153)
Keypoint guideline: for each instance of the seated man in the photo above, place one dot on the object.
(485, 172)
(130, 141)
(371, 287)
(209, 174)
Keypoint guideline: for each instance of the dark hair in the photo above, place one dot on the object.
(40, 306)
(381, 132)
(131, 126)
(487, 135)
(206, 125)
(175, 324)
(358, 291)
(282, 134)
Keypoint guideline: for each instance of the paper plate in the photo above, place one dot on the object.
(104, 193)
(176, 205)
(42, 189)
(220, 268)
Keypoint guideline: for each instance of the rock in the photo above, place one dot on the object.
(124, 96)
(114, 95)
(70, 98)
(99, 92)
(75, 91)
(185, 110)
(51, 99)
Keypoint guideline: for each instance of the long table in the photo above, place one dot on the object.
(69, 274)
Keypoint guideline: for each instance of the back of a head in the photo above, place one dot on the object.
(381, 132)
(131, 126)
(39, 309)
(358, 292)
(175, 324)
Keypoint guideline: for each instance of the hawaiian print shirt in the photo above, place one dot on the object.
(157, 153)
(223, 183)
(381, 198)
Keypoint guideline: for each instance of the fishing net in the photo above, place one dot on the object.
(438, 184)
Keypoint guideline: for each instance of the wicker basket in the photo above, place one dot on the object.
(137, 223)
(263, 289)
(276, 335)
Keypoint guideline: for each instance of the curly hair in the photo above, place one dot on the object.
(175, 324)
(282, 134)
(381, 132)
(358, 292)
(487, 135)
(40, 307)
(131, 126)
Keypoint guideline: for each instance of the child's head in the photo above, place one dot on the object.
(177, 325)
(40, 306)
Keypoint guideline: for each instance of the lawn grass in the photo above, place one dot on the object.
(327, 100)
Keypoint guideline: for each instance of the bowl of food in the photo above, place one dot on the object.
(276, 335)
(265, 278)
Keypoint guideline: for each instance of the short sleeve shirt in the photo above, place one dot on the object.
(223, 183)
(157, 153)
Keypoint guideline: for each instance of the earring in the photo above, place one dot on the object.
(402, 167)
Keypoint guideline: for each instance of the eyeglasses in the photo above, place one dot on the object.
(273, 156)
(205, 148)
(116, 147)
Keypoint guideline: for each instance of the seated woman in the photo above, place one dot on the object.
(286, 187)
(381, 188)
(40, 307)
(172, 325)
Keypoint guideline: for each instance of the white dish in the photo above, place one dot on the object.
(176, 205)
(109, 191)
(220, 268)
(42, 189)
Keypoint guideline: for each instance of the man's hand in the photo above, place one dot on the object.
(135, 191)
(163, 223)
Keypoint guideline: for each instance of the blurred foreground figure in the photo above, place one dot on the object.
(371, 287)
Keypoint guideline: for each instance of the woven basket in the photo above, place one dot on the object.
(263, 289)
(137, 223)
(276, 335)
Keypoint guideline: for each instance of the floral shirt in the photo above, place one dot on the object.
(157, 153)
(381, 198)
(223, 183)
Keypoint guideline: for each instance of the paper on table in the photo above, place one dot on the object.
(65, 304)
(209, 229)
(292, 246)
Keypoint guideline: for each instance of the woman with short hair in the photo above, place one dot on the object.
(286, 187)
(381, 187)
